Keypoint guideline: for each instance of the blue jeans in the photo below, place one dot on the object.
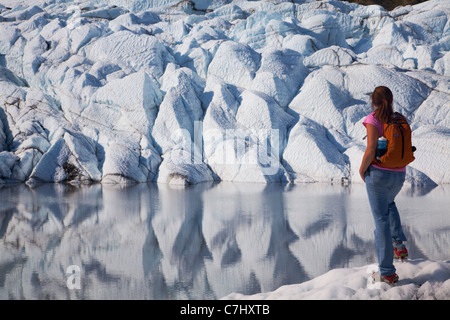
(382, 187)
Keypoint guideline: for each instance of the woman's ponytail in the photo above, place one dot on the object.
(382, 100)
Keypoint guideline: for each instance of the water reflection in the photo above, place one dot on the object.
(204, 242)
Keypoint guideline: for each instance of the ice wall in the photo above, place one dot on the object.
(189, 91)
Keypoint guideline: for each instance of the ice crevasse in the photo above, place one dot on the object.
(183, 92)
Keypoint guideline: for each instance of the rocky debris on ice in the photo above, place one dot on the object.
(188, 91)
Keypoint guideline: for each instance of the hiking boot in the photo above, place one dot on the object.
(400, 253)
(376, 277)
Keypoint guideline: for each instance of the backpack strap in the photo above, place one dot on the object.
(403, 141)
(395, 116)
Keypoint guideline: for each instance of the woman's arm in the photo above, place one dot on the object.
(369, 155)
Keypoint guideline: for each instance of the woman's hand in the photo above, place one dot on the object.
(369, 154)
(362, 174)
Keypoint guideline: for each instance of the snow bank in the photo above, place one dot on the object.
(419, 280)
(255, 91)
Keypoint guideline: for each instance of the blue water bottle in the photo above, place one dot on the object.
(381, 148)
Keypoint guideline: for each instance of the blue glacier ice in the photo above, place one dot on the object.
(184, 92)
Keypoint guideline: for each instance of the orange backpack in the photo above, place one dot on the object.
(400, 151)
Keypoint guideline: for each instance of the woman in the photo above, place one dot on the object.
(382, 186)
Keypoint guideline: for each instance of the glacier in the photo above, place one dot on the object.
(183, 92)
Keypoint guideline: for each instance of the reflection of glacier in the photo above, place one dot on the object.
(204, 242)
